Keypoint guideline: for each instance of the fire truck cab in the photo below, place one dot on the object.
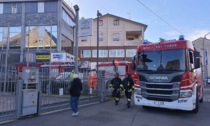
(170, 75)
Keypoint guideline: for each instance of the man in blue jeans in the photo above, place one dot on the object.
(75, 89)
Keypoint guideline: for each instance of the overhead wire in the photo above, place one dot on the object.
(160, 18)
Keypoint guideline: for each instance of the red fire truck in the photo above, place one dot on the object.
(170, 75)
(121, 67)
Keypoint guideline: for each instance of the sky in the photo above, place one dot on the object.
(166, 19)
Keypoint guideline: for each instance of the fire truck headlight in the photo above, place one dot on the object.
(185, 94)
(137, 91)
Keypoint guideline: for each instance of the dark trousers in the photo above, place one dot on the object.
(128, 95)
(74, 101)
(116, 95)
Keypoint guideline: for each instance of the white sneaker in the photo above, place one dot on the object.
(74, 114)
(77, 113)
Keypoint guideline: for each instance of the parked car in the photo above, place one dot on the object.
(62, 81)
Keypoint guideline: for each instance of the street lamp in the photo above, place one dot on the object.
(98, 15)
(50, 71)
(204, 63)
(76, 8)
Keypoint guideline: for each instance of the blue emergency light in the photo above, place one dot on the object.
(181, 37)
(145, 42)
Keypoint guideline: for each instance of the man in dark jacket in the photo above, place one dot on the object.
(75, 89)
(128, 87)
(116, 84)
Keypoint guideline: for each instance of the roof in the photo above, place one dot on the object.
(144, 25)
(197, 40)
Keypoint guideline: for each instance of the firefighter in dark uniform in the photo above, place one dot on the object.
(128, 85)
(116, 85)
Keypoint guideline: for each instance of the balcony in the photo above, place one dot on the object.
(134, 37)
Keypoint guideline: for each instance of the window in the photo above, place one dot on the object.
(7, 8)
(101, 53)
(116, 53)
(5, 33)
(101, 37)
(38, 34)
(1, 8)
(41, 32)
(83, 39)
(14, 8)
(86, 53)
(191, 60)
(67, 18)
(163, 60)
(10, 8)
(32, 7)
(115, 37)
(50, 7)
(100, 22)
(40, 7)
(116, 22)
(14, 32)
(19, 8)
(130, 52)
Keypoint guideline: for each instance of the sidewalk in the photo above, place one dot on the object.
(101, 114)
(107, 114)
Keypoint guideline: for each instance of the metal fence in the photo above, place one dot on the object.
(8, 80)
(54, 91)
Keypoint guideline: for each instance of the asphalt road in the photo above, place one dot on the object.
(107, 114)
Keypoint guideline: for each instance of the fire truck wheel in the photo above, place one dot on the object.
(201, 100)
(196, 104)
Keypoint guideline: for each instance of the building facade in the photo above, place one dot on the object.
(118, 39)
(199, 44)
(41, 25)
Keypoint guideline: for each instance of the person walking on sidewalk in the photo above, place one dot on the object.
(75, 89)
(128, 85)
(116, 84)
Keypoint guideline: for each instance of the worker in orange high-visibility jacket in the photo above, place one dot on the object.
(128, 85)
(92, 81)
(116, 85)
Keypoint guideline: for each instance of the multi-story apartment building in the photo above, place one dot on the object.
(118, 38)
(199, 44)
(41, 25)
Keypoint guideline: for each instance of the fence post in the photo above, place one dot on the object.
(101, 76)
(18, 102)
(39, 96)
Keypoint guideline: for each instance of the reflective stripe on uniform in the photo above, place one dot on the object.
(130, 90)
(117, 99)
(129, 99)
(110, 85)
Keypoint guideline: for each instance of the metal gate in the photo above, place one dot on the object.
(8, 80)
(54, 91)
